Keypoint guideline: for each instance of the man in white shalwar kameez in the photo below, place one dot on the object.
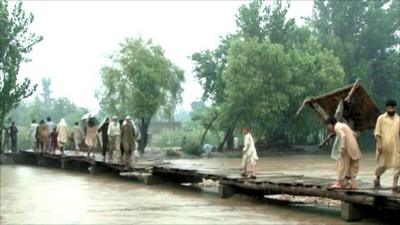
(78, 136)
(249, 154)
(63, 132)
(34, 127)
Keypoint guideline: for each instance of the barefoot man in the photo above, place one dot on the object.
(387, 135)
(249, 154)
(350, 154)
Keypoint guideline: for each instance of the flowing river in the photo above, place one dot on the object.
(36, 195)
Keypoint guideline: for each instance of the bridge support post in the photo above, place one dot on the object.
(96, 169)
(66, 164)
(41, 161)
(152, 180)
(226, 191)
(7, 159)
(350, 212)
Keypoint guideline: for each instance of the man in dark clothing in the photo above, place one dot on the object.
(104, 136)
(7, 141)
(13, 135)
(121, 121)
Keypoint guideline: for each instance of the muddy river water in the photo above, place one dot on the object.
(36, 195)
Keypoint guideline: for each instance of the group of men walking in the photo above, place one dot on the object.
(116, 136)
(47, 136)
(387, 136)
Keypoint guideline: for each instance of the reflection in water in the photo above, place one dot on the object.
(37, 195)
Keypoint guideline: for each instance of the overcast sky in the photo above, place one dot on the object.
(78, 35)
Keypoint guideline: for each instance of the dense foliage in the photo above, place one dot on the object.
(15, 42)
(141, 82)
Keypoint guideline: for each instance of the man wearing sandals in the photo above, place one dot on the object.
(249, 154)
(387, 135)
(350, 154)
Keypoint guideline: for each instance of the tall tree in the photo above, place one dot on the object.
(262, 78)
(365, 36)
(209, 67)
(141, 82)
(15, 42)
(46, 92)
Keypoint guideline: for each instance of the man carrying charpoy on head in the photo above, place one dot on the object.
(350, 154)
(249, 154)
(387, 135)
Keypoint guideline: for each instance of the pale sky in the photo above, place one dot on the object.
(78, 35)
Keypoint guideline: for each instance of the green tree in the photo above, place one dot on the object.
(46, 94)
(141, 82)
(209, 67)
(261, 20)
(365, 36)
(206, 116)
(263, 80)
(15, 42)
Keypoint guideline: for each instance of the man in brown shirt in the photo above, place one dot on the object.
(350, 153)
(43, 134)
(128, 138)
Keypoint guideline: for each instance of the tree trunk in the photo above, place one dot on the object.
(228, 138)
(144, 126)
(1, 139)
(208, 128)
(2, 118)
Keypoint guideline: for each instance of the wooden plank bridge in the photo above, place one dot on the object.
(354, 203)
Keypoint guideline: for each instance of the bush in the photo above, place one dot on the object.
(192, 132)
(172, 153)
(193, 147)
(173, 138)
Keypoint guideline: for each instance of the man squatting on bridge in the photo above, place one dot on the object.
(387, 135)
(350, 154)
(249, 154)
